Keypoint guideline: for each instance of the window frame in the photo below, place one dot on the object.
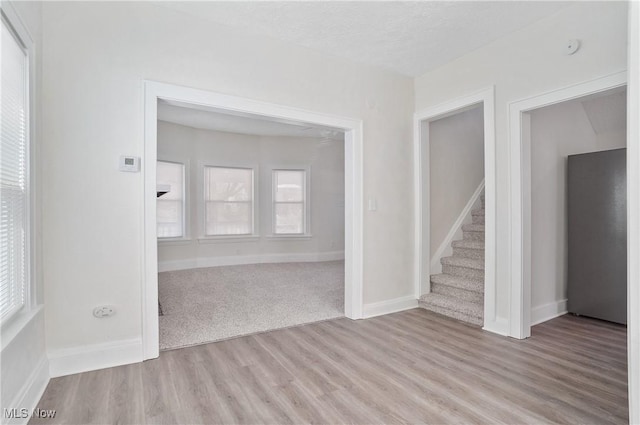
(186, 236)
(254, 235)
(14, 321)
(306, 225)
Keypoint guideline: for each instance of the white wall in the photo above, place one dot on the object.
(456, 169)
(633, 198)
(556, 132)
(23, 360)
(196, 147)
(95, 59)
(529, 62)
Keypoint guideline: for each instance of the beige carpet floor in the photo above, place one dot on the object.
(215, 303)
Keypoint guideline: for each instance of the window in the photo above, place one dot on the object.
(289, 202)
(171, 205)
(228, 196)
(14, 183)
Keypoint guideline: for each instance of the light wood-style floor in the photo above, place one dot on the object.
(409, 367)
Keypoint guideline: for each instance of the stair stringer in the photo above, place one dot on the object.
(455, 233)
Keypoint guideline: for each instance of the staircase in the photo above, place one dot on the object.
(459, 291)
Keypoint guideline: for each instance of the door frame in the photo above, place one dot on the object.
(422, 254)
(154, 91)
(520, 197)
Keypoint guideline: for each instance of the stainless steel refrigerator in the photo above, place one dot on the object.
(597, 222)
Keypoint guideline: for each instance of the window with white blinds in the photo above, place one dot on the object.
(228, 197)
(171, 206)
(289, 202)
(14, 217)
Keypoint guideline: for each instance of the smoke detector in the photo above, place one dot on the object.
(571, 47)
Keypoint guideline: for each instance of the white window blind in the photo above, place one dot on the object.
(289, 202)
(171, 206)
(228, 195)
(13, 175)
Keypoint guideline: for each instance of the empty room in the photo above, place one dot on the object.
(319, 212)
(251, 226)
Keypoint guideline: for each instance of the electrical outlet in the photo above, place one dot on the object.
(103, 311)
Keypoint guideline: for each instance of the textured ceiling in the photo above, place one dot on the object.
(192, 116)
(409, 38)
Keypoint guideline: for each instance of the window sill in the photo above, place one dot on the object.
(230, 238)
(289, 237)
(15, 324)
(176, 241)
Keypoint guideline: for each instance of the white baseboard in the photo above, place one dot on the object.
(498, 326)
(235, 260)
(455, 233)
(549, 311)
(30, 393)
(389, 306)
(68, 361)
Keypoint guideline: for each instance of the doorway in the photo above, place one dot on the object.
(204, 100)
(250, 224)
(520, 320)
(578, 197)
(482, 105)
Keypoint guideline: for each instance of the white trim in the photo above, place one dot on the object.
(499, 325)
(228, 238)
(234, 260)
(633, 212)
(68, 361)
(205, 99)
(29, 395)
(520, 196)
(175, 242)
(12, 328)
(455, 233)
(389, 306)
(548, 311)
(275, 238)
(421, 203)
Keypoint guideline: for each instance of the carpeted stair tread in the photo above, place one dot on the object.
(478, 211)
(473, 228)
(467, 244)
(458, 282)
(469, 263)
(452, 307)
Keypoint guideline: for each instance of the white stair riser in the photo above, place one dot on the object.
(465, 272)
(457, 293)
(473, 236)
(476, 254)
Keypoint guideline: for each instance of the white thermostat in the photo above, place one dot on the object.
(130, 164)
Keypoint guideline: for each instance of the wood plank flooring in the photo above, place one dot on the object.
(408, 367)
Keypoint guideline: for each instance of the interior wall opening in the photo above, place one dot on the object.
(578, 208)
(250, 223)
(453, 176)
